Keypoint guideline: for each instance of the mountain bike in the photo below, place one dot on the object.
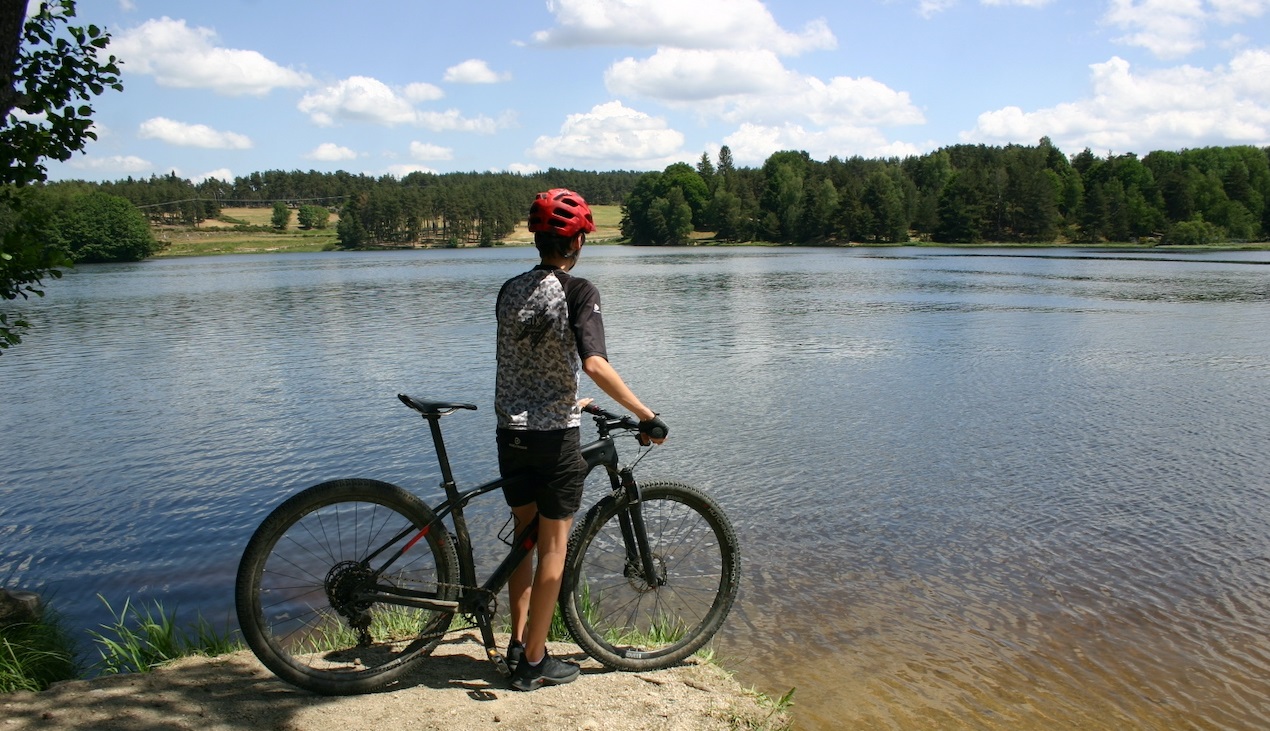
(346, 585)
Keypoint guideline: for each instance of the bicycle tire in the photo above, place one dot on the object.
(301, 565)
(623, 621)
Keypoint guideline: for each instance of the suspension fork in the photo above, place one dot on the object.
(639, 555)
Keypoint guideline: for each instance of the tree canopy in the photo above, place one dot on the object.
(966, 193)
(49, 72)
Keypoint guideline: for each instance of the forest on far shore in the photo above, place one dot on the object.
(959, 194)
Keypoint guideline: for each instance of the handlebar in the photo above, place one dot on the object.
(611, 420)
(607, 421)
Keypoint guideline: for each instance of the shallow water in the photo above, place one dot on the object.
(984, 489)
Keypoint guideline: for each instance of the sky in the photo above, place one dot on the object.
(223, 89)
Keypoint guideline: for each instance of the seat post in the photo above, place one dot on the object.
(447, 477)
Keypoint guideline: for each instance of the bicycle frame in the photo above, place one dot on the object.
(476, 600)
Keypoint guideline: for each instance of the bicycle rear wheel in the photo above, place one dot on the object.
(301, 582)
(629, 623)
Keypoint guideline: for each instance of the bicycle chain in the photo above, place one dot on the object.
(470, 619)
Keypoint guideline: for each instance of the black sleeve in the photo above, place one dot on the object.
(585, 318)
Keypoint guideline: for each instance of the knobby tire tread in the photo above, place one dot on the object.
(581, 541)
(261, 545)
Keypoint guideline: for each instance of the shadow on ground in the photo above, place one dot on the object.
(456, 689)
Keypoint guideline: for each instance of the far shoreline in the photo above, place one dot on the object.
(176, 251)
(247, 231)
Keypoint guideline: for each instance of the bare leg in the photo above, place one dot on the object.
(521, 582)
(553, 542)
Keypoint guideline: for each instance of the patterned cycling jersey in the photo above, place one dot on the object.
(548, 323)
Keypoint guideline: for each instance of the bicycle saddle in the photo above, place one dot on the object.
(434, 408)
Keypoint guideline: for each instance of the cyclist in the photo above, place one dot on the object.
(550, 331)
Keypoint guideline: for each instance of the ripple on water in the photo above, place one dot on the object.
(973, 491)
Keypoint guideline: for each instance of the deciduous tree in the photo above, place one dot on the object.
(49, 71)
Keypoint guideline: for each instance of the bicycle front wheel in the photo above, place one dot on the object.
(628, 622)
(306, 572)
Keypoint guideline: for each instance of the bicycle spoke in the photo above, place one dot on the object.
(632, 621)
(303, 582)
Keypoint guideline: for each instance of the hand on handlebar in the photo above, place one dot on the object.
(650, 431)
(653, 430)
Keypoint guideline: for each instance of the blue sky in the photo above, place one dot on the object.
(226, 88)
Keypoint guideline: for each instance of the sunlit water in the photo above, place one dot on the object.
(975, 489)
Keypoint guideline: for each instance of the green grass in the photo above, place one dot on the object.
(389, 624)
(33, 656)
(778, 716)
(140, 639)
(181, 242)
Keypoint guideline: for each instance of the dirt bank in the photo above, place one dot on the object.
(456, 690)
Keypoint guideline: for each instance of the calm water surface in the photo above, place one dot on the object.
(976, 489)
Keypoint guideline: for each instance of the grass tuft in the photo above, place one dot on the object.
(141, 639)
(33, 656)
(778, 715)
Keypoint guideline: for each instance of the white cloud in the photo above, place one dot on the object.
(703, 24)
(357, 99)
(401, 171)
(425, 151)
(1175, 28)
(1237, 11)
(192, 135)
(421, 92)
(673, 74)
(474, 71)
(521, 168)
(187, 58)
(1020, 3)
(1250, 75)
(751, 144)
(112, 164)
(611, 135)
(741, 86)
(721, 60)
(856, 100)
(754, 89)
(330, 152)
(1169, 108)
(223, 174)
(371, 101)
(1166, 28)
(452, 120)
(928, 8)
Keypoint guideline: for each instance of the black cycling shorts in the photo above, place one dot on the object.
(553, 467)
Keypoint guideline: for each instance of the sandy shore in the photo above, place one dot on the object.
(456, 690)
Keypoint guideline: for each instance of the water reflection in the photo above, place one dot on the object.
(975, 491)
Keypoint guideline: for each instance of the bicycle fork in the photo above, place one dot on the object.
(640, 562)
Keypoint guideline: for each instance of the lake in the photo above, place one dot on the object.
(980, 488)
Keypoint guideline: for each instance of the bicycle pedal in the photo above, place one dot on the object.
(499, 661)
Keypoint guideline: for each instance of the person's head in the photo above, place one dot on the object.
(559, 220)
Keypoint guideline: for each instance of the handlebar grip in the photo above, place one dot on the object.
(654, 428)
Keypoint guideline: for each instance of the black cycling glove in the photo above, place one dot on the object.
(654, 428)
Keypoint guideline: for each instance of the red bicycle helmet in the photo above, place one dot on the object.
(562, 212)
